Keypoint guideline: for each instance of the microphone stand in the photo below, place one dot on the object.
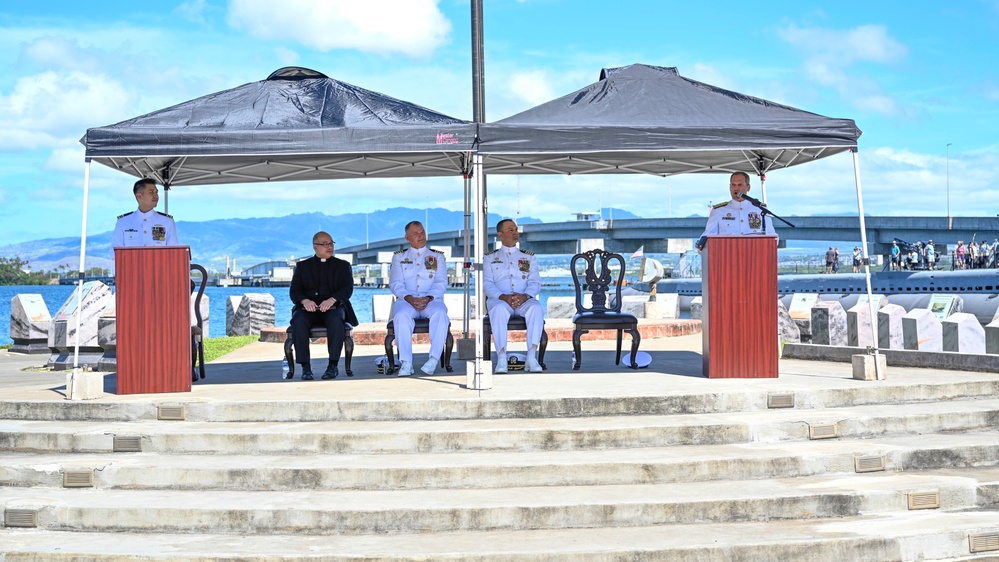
(764, 211)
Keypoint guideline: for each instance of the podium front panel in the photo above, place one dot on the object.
(152, 300)
(739, 313)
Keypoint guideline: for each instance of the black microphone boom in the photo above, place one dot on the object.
(752, 200)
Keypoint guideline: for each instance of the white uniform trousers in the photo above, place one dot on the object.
(404, 318)
(500, 314)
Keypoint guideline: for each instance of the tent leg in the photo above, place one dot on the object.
(879, 374)
(71, 390)
(481, 213)
(466, 289)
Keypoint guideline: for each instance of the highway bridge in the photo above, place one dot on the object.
(673, 235)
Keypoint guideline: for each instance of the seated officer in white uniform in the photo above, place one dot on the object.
(146, 226)
(418, 279)
(511, 282)
(738, 216)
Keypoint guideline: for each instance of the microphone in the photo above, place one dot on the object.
(752, 200)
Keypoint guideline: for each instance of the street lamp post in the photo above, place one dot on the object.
(948, 185)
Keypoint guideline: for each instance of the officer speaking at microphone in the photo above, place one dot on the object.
(740, 216)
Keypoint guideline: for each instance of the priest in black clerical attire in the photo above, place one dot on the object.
(321, 289)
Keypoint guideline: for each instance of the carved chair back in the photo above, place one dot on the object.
(599, 278)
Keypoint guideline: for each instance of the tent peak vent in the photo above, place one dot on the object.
(639, 72)
(295, 73)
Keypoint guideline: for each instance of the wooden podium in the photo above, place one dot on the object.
(153, 303)
(739, 314)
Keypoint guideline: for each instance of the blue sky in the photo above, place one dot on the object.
(915, 76)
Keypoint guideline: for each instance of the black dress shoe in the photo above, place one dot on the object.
(331, 372)
(307, 373)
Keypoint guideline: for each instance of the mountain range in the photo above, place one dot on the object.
(255, 240)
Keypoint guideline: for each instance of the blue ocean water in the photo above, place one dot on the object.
(56, 295)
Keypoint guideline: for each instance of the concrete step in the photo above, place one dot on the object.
(645, 465)
(517, 434)
(708, 396)
(442, 510)
(898, 537)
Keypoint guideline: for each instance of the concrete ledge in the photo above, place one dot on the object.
(895, 357)
(373, 333)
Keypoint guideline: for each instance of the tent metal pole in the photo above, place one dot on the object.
(879, 375)
(466, 261)
(478, 65)
(480, 245)
(79, 283)
(479, 176)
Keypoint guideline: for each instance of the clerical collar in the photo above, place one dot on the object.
(322, 260)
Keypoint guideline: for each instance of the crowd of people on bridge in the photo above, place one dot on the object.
(923, 256)
(976, 255)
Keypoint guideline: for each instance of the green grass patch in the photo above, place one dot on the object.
(6, 346)
(217, 347)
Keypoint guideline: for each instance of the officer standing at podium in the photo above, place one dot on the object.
(146, 226)
(737, 216)
(511, 281)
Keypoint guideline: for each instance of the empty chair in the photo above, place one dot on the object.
(197, 330)
(599, 279)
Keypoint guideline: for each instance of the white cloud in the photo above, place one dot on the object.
(411, 27)
(68, 159)
(532, 86)
(56, 105)
(863, 43)
(286, 56)
(990, 90)
(193, 11)
(710, 75)
(831, 53)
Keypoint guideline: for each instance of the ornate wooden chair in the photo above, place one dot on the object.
(518, 324)
(600, 316)
(422, 327)
(197, 331)
(315, 333)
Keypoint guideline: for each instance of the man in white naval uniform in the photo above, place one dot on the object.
(144, 227)
(511, 282)
(737, 216)
(418, 279)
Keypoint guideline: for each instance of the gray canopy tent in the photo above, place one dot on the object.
(643, 119)
(650, 120)
(298, 124)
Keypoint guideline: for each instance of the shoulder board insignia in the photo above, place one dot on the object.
(400, 251)
(165, 215)
(528, 252)
(437, 251)
(125, 214)
(720, 205)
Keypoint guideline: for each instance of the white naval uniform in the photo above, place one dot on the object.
(737, 217)
(144, 229)
(419, 272)
(512, 270)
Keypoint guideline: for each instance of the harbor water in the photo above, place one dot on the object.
(55, 295)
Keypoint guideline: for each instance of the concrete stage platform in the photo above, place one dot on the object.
(253, 373)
